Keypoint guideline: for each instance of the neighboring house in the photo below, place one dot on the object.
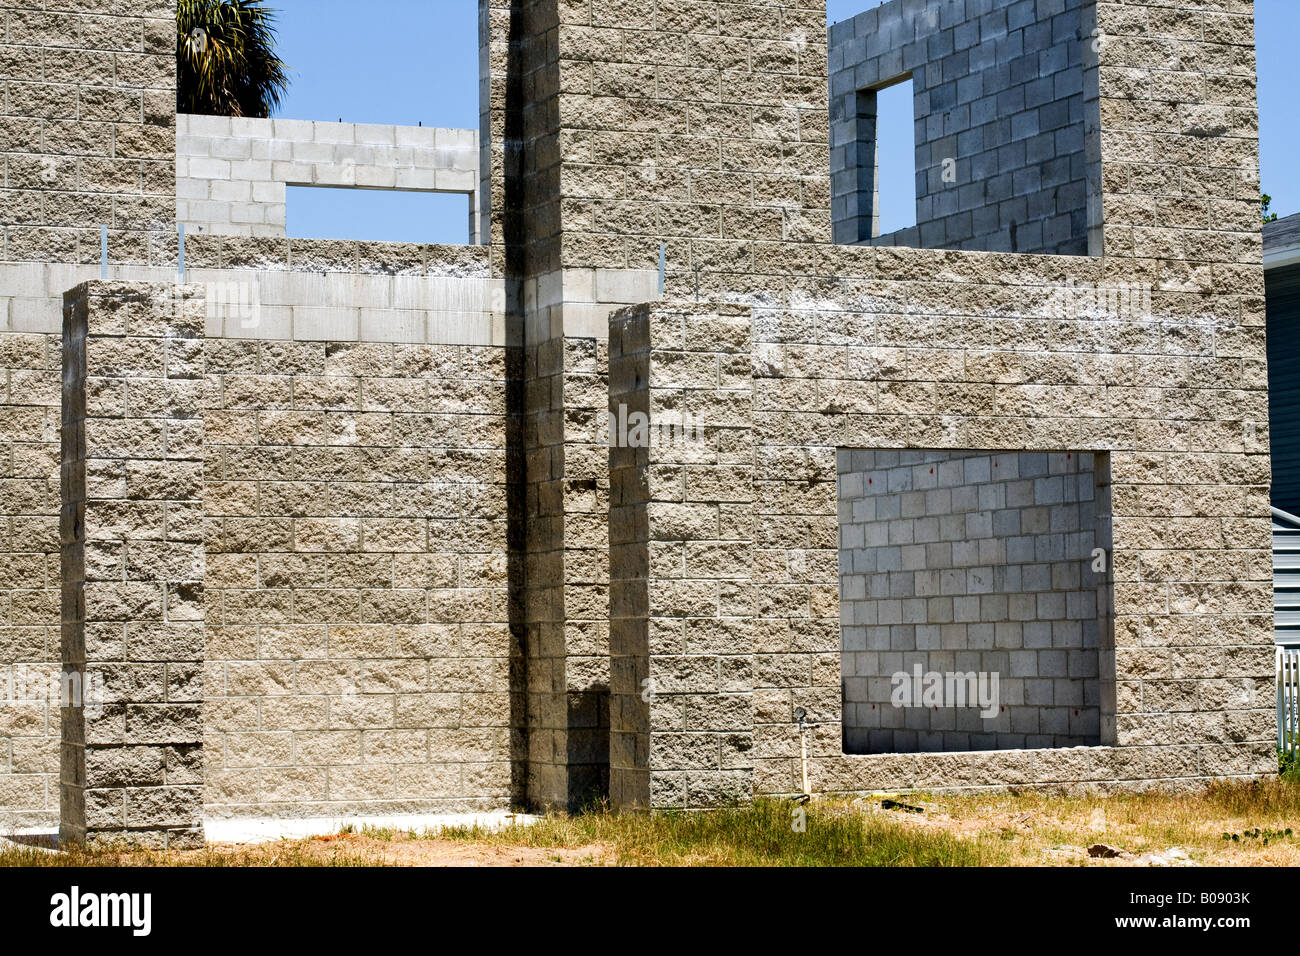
(1286, 623)
(1282, 295)
(1282, 292)
(1286, 577)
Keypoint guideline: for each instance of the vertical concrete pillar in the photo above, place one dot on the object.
(855, 168)
(630, 491)
(567, 571)
(131, 528)
(682, 556)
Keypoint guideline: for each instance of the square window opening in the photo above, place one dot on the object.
(975, 600)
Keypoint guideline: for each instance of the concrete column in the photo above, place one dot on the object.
(131, 528)
(855, 171)
(568, 572)
(682, 556)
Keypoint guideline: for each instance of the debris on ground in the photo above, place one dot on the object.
(899, 805)
(1102, 851)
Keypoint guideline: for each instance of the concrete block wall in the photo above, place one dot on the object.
(268, 291)
(133, 565)
(232, 173)
(317, 290)
(891, 348)
(896, 348)
(359, 646)
(29, 530)
(685, 650)
(566, 500)
(629, 139)
(275, 291)
(559, 315)
(612, 126)
(1191, 659)
(1178, 103)
(1004, 92)
(632, 485)
(298, 288)
(972, 563)
(88, 130)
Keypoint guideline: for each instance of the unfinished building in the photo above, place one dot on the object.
(679, 451)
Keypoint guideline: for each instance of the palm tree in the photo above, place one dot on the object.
(225, 58)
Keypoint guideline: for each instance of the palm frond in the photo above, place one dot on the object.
(226, 64)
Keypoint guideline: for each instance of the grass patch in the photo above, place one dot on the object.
(980, 829)
(1032, 824)
(760, 834)
(1288, 763)
(285, 853)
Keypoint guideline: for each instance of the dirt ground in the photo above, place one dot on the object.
(1019, 831)
(369, 851)
(1141, 831)
(1041, 835)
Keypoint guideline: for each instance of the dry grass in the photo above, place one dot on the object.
(1040, 829)
(1015, 829)
(1007, 829)
(281, 853)
(760, 834)
(365, 849)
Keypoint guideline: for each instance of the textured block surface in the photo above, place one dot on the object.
(614, 132)
(972, 564)
(1005, 99)
(131, 528)
(360, 652)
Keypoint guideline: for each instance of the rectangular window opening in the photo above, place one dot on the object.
(975, 600)
(377, 215)
(894, 144)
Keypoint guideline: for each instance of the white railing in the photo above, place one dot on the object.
(1288, 698)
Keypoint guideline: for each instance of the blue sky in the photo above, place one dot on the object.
(1277, 24)
(398, 61)
(412, 61)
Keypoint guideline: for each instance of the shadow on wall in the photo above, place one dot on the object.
(588, 747)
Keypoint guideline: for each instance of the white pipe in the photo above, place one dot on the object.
(803, 758)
